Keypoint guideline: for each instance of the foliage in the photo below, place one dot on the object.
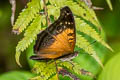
(33, 22)
(111, 70)
(16, 75)
(26, 16)
(109, 4)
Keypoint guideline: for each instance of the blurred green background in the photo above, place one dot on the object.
(8, 41)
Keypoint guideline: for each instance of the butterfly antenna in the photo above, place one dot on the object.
(57, 72)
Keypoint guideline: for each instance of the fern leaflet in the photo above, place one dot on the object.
(29, 36)
(26, 16)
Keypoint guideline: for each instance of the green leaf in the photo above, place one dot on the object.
(17, 56)
(52, 10)
(79, 9)
(84, 13)
(111, 70)
(74, 67)
(87, 62)
(76, 70)
(44, 69)
(64, 78)
(26, 16)
(87, 29)
(109, 4)
(29, 36)
(58, 3)
(90, 14)
(85, 45)
(86, 23)
(54, 77)
(30, 52)
(16, 75)
(41, 4)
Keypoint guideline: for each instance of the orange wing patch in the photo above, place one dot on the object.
(59, 48)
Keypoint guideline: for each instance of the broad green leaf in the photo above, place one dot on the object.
(16, 75)
(111, 70)
(66, 77)
(29, 53)
(85, 45)
(87, 62)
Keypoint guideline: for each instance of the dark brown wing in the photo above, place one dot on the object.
(58, 39)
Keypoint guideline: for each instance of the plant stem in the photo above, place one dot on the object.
(46, 13)
(13, 3)
(57, 70)
(65, 72)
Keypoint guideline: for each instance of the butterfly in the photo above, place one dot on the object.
(57, 40)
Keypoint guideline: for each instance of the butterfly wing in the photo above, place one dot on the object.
(58, 39)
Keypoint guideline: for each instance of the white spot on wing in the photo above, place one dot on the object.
(66, 22)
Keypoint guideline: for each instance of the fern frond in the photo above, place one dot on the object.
(78, 70)
(79, 9)
(45, 70)
(42, 78)
(85, 45)
(41, 4)
(91, 12)
(29, 36)
(52, 10)
(66, 64)
(75, 68)
(87, 29)
(17, 57)
(109, 4)
(37, 78)
(58, 3)
(53, 77)
(26, 16)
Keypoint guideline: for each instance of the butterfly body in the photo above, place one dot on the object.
(58, 39)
